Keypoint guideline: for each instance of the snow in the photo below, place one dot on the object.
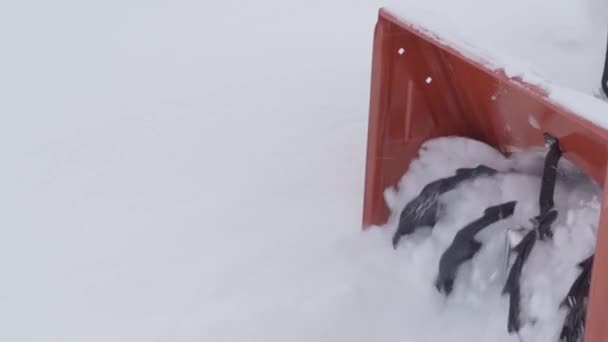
(533, 122)
(193, 171)
(592, 108)
(566, 36)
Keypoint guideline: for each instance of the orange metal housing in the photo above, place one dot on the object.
(422, 88)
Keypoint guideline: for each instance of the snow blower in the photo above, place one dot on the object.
(423, 87)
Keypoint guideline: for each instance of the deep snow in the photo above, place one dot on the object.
(193, 171)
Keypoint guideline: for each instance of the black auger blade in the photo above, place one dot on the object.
(576, 302)
(547, 188)
(541, 230)
(513, 323)
(574, 325)
(422, 211)
(542, 224)
(464, 246)
(512, 285)
(580, 288)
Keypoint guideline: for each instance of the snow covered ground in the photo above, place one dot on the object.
(193, 171)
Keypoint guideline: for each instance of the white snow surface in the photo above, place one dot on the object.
(193, 171)
(551, 46)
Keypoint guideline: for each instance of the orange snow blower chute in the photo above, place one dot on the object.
(423, 88)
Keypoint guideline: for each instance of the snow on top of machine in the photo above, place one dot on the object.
(558, 39)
